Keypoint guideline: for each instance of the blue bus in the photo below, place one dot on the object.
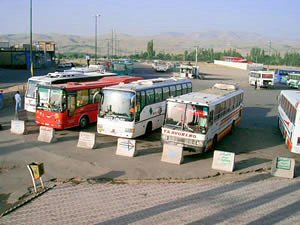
(122, 67)
(281, 75)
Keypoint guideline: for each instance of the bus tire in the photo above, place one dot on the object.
(232, 127)
(148, 128)
(214, 143)
(84, 121)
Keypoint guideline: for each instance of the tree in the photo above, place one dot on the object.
(150, 51)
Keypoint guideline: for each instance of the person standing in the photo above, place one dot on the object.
(255, 85)
(18, 100)
(1, 99)
(87, 57)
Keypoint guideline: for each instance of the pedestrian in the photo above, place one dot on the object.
(87, 57)
(1, 99)
(18, 100)
(255, 84)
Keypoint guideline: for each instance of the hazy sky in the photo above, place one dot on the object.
(146, 17)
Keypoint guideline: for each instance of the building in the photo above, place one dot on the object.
(18, 56)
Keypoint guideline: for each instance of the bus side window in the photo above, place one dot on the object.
(82, 98)
(178, 89)
(166, 93)
(142, 100)
(211, 118)
(172, 91)
(150, 97)
(138, 106)
(189, 87)
(94, 95)
(71, 104)
(158, 94)
(184, 89)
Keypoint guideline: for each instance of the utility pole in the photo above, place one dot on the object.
(107, 49)
(96, 17)
(269, 54)
(196, 56)
(112, 42)
(31, 63)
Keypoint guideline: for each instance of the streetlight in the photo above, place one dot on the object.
(96, 17)
(31, 64)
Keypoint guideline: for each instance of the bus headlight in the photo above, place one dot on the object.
(129, 130)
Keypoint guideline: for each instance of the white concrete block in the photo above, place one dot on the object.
(47, 134)
(172, 153)
(86, 140)
(18, 127)
(223, 161)
(283, 167)
(126, 147)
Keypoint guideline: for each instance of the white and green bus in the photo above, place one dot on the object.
(289, 117)
(132, 110)
(293, 80)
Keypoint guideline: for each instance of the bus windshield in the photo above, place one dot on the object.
(31, 87)
(119, 67)
(117, 104)
(187, 117)
(51, 100)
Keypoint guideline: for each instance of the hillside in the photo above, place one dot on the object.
(173, 42)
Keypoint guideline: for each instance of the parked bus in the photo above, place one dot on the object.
(282, 75)
(57, 78)
(262, 78)
(72, 104)
(189, 71)
(122, 67)
(199, 120)
(293, 80)
(288, 117)
(132, 110)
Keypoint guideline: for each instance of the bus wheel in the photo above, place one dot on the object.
(148, 128)
(214, 143)
(84, 121)
(232, 127)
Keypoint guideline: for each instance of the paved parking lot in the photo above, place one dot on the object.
(256, 142)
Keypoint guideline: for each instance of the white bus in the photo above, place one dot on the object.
(263, 78)
(132, 110)
(199, 120)
(56, 78)
(289, 117)
(293, 80)
(189, 71)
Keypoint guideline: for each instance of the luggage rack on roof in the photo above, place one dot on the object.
(226, 86)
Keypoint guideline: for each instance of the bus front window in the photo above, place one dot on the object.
(175, 114)
(51, 100)
(196, 118)
(31, 88)
(117, 104)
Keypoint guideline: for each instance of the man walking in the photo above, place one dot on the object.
(87, 57)
(18, 100)
(1, 99)
(255, 85)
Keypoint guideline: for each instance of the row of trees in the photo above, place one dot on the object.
(257, 55)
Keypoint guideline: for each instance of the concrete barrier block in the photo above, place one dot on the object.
(47, 134)
(126, 147)
(18, 127)
(172, 153)
(283, 167)
(223, 161)
(86, 140)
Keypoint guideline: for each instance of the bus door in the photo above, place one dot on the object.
(71, 103)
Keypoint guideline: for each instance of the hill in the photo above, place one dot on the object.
(172, 42)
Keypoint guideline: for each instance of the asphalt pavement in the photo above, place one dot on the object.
(256, 141)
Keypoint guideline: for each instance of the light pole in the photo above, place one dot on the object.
(31, 64)
(96, 17)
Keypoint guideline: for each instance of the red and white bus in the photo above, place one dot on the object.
(62, 106)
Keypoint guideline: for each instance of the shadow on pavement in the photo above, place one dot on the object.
(243, 164)
(108, 177)
(196, 198)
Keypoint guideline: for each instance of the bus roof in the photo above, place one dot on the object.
(69, 75)
(292, 96)
(105, 81)
(146, 84)
(208, 96)
(261, 71)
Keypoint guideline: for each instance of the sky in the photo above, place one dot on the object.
(278, 18)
